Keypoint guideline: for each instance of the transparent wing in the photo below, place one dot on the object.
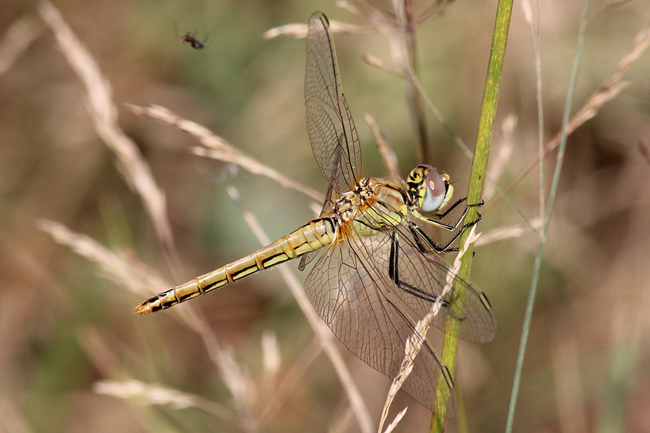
(350, 294)
(353, 288)
(423, 278)
(332, 133)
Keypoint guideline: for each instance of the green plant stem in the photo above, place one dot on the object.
(479, 168)
(547, 219)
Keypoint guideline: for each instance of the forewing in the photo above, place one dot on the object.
(355, 301)
(332, 133)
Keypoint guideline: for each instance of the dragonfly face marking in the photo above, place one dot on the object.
(375, 271)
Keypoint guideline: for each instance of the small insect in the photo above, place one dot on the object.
(190, 38)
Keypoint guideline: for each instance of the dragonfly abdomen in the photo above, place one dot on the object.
(312, 236)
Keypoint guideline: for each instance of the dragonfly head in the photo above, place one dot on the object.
(428, 190)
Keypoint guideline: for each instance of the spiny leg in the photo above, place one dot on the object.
(393, 273)
(418, 233)
(453, 227)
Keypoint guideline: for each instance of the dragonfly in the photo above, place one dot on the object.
(375, 270)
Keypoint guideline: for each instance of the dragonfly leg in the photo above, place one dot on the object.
(432, 245)
(393, 273)
(419, 234)
(450, 227)
(452, 207)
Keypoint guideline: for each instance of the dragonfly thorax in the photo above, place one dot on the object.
(348, 205)
(374, 205)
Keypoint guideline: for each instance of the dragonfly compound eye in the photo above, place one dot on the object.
(435, 192)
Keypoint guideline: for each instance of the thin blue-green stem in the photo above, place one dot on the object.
(547, 220)
(477, 176)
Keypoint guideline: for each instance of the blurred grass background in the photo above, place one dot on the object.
(63, 327)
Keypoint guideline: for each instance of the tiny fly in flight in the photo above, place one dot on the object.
(190, 38)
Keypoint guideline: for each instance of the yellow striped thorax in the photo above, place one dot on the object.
(428, 190)
(373, 206)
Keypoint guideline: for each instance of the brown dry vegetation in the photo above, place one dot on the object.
(148, 212)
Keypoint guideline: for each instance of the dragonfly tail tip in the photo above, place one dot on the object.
(143, 308)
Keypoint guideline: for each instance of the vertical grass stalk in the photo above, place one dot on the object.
(479, 167)
(547, 219)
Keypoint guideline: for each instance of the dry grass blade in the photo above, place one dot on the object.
(385, 149)
(396, 421)
(135, 170)
(25, 259)
(415, 341)
(220, 149)
(241, 386)
(121, 270)
(154, 394)
(321, 330)
(299, 31)
(99, 352)
(138, 176)
(271, 358)
(17, 39)
(510, 232)
(608, 90)
(377, 63)
(255, 167)
(291, 378)
(405, 19)
(137, 278)
(126, 272)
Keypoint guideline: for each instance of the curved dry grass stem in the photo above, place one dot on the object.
(125, 271)
(219, 149)
(375, 62)
(299, 31)
(155, 394)
(291, 378)
(130, 163)
(129, 273)
(509, 232)
(385, 149)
